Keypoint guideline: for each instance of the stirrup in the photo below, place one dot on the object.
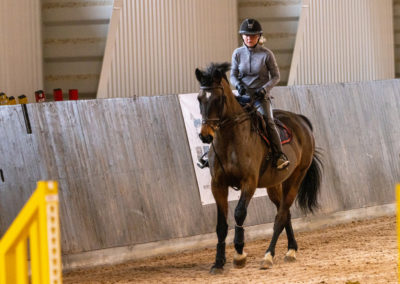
(203, 163)
(282, 162)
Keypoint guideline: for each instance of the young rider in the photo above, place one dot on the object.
(255, 72)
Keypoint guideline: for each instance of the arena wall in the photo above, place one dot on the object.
(126, 176)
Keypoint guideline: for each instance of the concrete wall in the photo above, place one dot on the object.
(126, 176)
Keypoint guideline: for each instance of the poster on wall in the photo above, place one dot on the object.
(192, 118)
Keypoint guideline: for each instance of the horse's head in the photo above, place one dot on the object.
(212, 98)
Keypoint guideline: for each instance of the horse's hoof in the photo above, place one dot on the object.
(239, 260)
(290, 256)
(267, 261)
(216, 270)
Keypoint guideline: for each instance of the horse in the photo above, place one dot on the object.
(237, 159)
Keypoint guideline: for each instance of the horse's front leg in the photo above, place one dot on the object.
(239, 259)
(221, 198)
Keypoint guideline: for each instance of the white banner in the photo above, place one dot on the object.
(192, 117)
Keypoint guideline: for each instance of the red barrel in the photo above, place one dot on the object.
(58, 95)
(73, 94)
(40, 96)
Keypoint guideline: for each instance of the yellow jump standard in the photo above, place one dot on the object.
(38, 221)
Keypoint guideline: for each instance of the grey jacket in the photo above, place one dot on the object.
(255, 68)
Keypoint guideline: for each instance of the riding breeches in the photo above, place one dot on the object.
(266, 110)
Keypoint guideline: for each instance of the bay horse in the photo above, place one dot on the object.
(237, 159)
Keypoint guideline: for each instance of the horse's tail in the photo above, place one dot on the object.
(307, 197)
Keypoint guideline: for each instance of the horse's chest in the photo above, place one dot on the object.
(237, 160)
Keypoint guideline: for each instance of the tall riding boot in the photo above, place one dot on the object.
(281, 160)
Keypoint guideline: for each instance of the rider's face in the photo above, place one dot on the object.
(250, 40)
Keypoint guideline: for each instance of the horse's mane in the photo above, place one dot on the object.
(215, 70)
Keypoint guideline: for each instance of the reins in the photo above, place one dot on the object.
(237, 119)
(219, 160)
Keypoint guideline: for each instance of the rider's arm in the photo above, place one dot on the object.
(235, 69)
(273, 71)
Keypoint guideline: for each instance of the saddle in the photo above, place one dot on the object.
(259, 124)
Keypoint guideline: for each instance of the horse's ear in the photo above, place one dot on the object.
(217, 76)
(199, 74)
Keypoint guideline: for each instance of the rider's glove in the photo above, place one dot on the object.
(241, 89)
(260, 93)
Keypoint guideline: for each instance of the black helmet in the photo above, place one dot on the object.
(250, 27)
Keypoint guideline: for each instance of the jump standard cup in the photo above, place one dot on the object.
(58, 95)
(73, 94)
(40, 96)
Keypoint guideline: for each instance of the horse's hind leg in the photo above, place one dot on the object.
(292, 244)
(283, 199)
(239, 259)
(221, 198)
(291, 186)
(275, 194)
(283, 219)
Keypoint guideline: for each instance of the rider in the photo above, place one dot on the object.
(254, 72)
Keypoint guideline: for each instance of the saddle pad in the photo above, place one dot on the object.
(284, 132)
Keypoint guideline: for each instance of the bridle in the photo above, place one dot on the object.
(217, 123)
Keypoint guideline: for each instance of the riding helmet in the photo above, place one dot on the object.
(250, 27)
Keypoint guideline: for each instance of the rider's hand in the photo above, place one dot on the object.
(260, 93)
(241, 89)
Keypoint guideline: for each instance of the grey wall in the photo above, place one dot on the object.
(126, 176)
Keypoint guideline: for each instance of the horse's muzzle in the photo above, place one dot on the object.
(206, 139)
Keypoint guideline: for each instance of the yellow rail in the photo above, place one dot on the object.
(38, 221)
(398, 230)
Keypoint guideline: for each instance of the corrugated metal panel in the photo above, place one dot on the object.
(342, 41)
(21, 68)
(279, 20)
(159, 43)
(74, 37)
(396, 12)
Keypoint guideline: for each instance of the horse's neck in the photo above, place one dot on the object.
(233, 113)
(233, 106)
